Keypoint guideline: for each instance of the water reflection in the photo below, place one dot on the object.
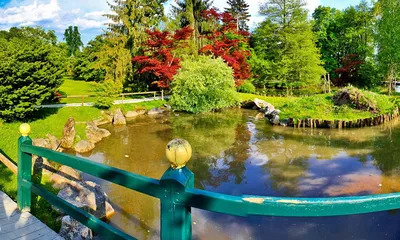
(237, 154)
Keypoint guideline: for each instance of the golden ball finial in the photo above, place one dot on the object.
(25, 129)
(178, 152)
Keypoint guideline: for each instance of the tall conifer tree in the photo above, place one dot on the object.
(240, 10)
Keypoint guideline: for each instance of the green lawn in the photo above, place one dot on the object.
(74, 87)
(321, 106)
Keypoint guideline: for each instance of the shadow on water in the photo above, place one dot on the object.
(235, 154)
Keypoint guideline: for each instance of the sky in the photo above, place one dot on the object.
(88, 14)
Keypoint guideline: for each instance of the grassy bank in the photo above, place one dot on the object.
(321, 106)
(49, 121)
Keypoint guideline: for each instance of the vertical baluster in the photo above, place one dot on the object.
(24, 170)
(176, 218)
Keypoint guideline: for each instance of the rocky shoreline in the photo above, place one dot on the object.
(271, 114)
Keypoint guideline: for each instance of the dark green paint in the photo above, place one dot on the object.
(178, 195)
(24, 174)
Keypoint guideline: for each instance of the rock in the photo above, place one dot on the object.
(132, 114)
(285, 122)
(259, 116)
(271, 114)
(74, 230)
(249, 105)
(55, 143)
(155, 111)
(106, 118)
(94, 133)
(68, 137)
(90, 197)
(275, 120)
(354, 97)
(42, 142)
(119, 118)
(65, 176)
(167, 107)
(84, 146)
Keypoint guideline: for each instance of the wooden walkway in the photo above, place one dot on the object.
(21, 226)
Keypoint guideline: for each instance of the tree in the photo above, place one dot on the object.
(131, 18)
(388, 39)
(203, 84)
(159, 62)
(284, 45)
(189, 12)
(31, 69)
(344, 35)
(229, 44)
(73, 40)
(240, 10)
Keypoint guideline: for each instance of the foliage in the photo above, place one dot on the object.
(388, 38)
(346, 42)
(322, 106)
(130, 20)
(203, 84)
(189, 13)
(239, 9)
(107, 92)
(229, 44)
(284, 46)
(85, 64)
(247, 87)
(73, 39)
(30, 73)
(159, 62)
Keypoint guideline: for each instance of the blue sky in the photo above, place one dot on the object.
(88, 14)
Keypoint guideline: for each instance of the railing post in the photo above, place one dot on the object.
(24, 170)
(176, 218)
(162, 94)
(155, 96)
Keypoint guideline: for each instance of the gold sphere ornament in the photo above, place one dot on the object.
(25, 129)
(178, 153)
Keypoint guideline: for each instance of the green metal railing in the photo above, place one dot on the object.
(177, 194)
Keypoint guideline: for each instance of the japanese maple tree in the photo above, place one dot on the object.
(159, 59)
(229, 44)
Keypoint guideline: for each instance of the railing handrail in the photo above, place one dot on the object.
(177, 194)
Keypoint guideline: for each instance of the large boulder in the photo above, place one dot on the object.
(119, 118)
(355, 98)
(133, 114)
(90, 197)
(42, 142)
(275, 120)
(65, 176)
(94, 133)
(155, 111)
(68, 137)
(55, 142)
(74, 230)
(249, 105)
(84, 146)
(106, 118)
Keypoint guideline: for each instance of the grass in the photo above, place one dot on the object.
(321, 106)
(49, 121)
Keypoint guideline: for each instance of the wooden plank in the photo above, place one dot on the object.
(22, 226)
(8, 163)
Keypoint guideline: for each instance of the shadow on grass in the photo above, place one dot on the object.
(43, 113)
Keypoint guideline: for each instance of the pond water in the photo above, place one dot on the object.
(234, 153)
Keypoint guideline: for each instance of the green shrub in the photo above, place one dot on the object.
(247, 87)
(31, 69)
(203, 84)
(107, 92)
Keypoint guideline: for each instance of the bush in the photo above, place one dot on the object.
(203, 84)
(247, 87)
(106, 92)
(31, 69)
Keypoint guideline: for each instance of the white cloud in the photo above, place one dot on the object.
(32, 13)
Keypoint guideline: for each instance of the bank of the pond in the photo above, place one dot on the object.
(319, 111)
(49, 121)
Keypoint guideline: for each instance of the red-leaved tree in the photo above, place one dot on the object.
(229, 44)
(159, 59)
(350, 70)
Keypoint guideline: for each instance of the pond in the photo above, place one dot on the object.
(236, 153)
